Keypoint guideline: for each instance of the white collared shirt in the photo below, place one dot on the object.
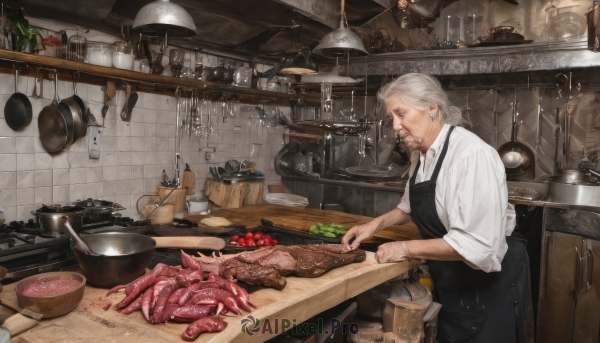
(471, 197)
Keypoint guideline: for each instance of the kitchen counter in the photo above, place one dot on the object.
(301, 218)
(300, 300)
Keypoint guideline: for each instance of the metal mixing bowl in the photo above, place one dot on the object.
(124, 257)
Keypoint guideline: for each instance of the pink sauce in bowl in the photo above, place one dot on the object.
(50, 287)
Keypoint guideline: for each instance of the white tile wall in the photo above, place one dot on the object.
(133, 154)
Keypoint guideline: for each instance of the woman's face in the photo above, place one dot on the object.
(415, 127)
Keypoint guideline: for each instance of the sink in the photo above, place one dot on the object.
(553, 194)
(527, 191)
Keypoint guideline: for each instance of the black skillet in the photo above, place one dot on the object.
(17, 110)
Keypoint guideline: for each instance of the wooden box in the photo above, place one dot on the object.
(234, 195)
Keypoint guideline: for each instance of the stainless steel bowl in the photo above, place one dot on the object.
(125, 257)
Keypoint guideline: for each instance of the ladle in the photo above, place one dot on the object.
(74, 234)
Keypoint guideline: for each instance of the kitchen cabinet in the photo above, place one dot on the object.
(569, 300)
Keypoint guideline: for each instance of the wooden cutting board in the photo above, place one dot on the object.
(301, 299)
(301, 218)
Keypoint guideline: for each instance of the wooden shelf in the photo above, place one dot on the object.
(93, 74)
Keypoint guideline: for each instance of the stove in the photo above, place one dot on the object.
(25, 251)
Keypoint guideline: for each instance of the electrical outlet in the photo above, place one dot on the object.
(95, 143)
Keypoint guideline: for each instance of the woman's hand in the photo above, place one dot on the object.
(393, 252)
(360, 233)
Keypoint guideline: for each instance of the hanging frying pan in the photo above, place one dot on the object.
(55, 124)
(516, 156)
(17, 110)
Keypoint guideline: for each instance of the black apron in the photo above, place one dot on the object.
(477, 307)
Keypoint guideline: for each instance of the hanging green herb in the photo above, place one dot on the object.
(25, 34)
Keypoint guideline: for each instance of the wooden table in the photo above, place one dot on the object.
(300, 300)
(301, 218)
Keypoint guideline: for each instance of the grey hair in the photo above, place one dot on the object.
(422, 91)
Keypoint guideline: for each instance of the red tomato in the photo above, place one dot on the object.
(240, 244)
(251, 242)
(258, 236)
(274, 242)
(265, 237)
(249, 235)
(267, 243)
(235, 238)
(233, 243)
(260, 242)
(242, 240)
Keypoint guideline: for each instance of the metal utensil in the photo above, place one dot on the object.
(127, 95)
(17, 110)
(125, 256)
(516, 156)
(55, 124)
(74, 234)
(111, 90)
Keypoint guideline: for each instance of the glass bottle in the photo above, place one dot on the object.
(77, 47)
(199, 67)
(187, 72)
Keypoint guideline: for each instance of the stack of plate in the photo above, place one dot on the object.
(285, 199)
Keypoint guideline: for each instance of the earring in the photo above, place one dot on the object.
(431, 116)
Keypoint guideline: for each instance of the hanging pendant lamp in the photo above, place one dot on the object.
(164, 18)
(342, 42)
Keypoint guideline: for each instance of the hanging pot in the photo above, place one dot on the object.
(516, 156)
(55, 124)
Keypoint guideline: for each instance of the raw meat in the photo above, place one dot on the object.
(134, 306)
(44, 288)
(207, 324)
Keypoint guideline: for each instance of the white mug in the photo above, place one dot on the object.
(196, 205)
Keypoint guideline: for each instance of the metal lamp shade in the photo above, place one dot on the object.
(161, 16)
(339, 42)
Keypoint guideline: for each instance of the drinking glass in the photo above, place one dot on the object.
(326, 101)
(176, 59)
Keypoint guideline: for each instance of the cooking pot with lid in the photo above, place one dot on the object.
(51, 221)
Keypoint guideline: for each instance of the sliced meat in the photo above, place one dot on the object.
(188, 261)
(282, 261)
(216, 294)
(207, 324)
(146, 301)
(191, 313)
(253, 274)
(169, 287)
(174, 298)
(256, 255)
(190, 278)
(134, 306)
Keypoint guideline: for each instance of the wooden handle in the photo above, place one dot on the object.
(192, 242)
(18, 323)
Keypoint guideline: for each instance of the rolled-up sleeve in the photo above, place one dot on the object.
(476, 201)
(404, 204)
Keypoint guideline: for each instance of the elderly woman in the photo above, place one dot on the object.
(458, 199)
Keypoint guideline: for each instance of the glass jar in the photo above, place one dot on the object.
(77, 47)
(122, 56)
(100, 54)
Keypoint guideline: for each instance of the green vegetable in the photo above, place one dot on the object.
(329, 230)
(25, 34)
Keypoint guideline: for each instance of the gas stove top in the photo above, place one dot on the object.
(25, 251)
